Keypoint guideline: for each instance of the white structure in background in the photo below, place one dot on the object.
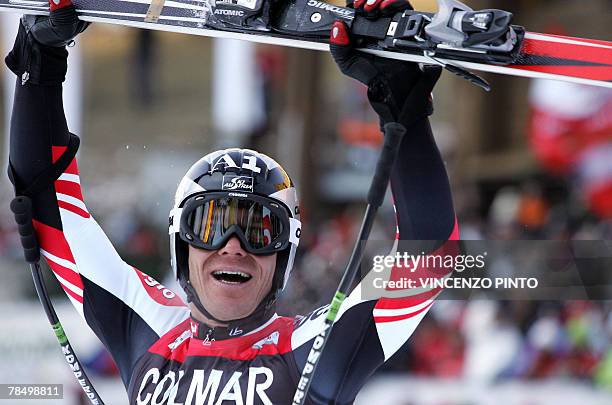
(237, 99)
(32, 355)
(72, 88)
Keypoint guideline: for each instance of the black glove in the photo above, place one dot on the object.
(39, 55)
(399, 91)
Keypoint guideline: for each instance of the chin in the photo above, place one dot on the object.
(232, 316)
(229, 307)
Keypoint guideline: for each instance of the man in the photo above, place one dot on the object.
(234, 231)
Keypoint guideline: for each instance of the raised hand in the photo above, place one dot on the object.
(398, 91)
(39, 55)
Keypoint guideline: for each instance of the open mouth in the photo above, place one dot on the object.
(231, 277)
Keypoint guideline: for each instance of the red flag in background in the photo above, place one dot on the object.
(571, 134)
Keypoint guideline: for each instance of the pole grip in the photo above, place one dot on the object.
(22, 209)
(394, 133)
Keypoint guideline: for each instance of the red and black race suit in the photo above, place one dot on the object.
(164, 356)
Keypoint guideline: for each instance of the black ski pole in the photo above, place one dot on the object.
(22, 208)
(393, 137)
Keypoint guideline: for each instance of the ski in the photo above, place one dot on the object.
(456, 37)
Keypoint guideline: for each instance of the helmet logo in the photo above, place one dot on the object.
(226, 161)
(240, 183)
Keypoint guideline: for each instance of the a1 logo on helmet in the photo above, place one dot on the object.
(225, 161)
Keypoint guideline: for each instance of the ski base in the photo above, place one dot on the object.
(409, 36)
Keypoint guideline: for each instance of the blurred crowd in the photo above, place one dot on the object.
(488, 341)
(484, 339)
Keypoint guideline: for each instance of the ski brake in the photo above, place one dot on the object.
(456, 30)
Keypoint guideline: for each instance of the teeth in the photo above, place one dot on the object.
(231, 277)
(232, 273)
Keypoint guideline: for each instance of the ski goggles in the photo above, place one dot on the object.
(263, 226)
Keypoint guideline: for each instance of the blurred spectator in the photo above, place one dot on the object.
(532, 210)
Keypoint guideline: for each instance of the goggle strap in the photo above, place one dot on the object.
(175, 215)
(294, 231)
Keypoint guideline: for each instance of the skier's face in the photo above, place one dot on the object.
(230, 282)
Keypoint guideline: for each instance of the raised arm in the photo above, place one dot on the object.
(126, 309)
(370, 328)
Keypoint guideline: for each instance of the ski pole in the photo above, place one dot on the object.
(393, 136)
(22, 208)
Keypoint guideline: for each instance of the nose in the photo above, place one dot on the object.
(232, 247)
